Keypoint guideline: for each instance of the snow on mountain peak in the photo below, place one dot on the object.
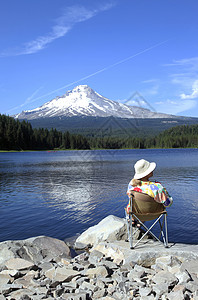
(81, 88)
(84, 101)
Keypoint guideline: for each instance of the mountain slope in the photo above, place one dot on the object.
(84, 101)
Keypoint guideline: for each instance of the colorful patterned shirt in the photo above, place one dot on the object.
(153, 189)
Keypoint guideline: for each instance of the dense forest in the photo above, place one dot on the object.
(16, 135)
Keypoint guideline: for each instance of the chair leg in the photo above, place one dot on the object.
(131, 233)
(166, 230)
(129, 228)
(162, 232)
(148, 231)
(164, 225)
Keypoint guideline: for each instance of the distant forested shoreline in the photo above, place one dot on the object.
(20, 136)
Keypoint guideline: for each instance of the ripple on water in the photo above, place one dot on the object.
(63, 193)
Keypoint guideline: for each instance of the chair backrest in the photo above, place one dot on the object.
(145, 207)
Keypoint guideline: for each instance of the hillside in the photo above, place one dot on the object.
(16, 135)
(110, 126)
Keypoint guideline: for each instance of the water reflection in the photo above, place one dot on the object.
(60, 194)
(79, 188)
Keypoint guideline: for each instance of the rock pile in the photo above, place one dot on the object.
(94, 276)
(42, 268)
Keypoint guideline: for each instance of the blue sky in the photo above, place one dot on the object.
(117, 47)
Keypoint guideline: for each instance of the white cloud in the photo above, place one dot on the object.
(186, 71)
(185, 80)
(194, 93)
(71, 16)
(185, 77)
(175, 107)
(185, 63)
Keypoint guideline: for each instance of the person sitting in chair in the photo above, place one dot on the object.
(141, 183)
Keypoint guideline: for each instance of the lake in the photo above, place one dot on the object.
(60, 194)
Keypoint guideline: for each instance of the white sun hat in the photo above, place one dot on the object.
(143, 168)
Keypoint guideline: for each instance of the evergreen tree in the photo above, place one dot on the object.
(16, 135)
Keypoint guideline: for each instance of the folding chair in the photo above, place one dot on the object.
(145, 208)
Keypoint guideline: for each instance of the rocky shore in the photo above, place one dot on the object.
(42, 267)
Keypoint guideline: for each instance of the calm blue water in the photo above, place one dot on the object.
(60, 194)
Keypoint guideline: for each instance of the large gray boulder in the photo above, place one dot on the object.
(34, 250)
(109, 229)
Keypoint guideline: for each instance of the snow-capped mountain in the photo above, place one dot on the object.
(84, 101)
